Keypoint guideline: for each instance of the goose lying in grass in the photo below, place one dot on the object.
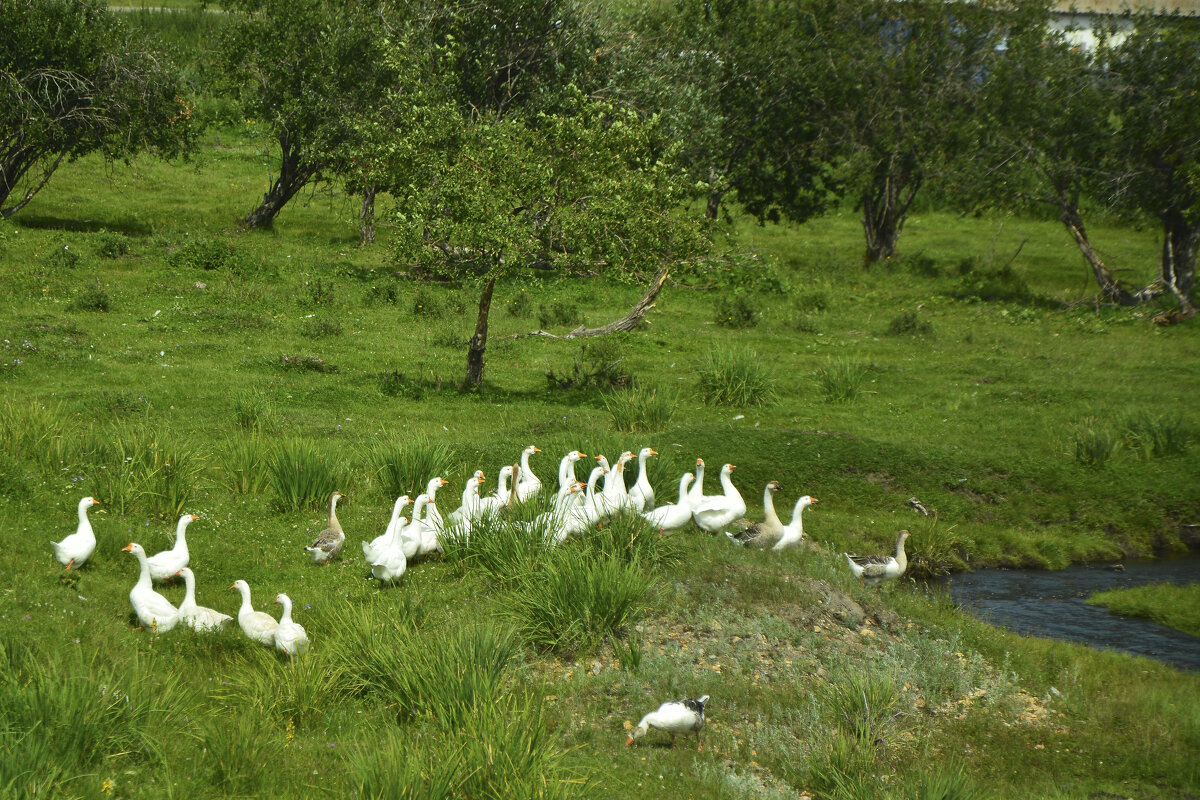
(166, 564)
(374, 549)
(678, 717)
(641, 496)
(77, 548)
(874, 570)
(673, 516)
(793, 532)
(714, 513)
(528, 484)
(258, 626)
(152, 609)
(766, 533)
(198, 618)
(329, 543)
(290, 637)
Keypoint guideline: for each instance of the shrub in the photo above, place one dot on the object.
(91, 298)
(382, 292)
(630, 539)
(735, 311)
(397, 384)
(597, 365)
(303, 475)
(320, 328)
(557, 312)
(497, 547)
(427, 303)
(321, 292)
(811, 302)
(111, 245)
(992, 286)
(909, 323)
(840, 380)
(206, 254)
(1095, 443)
(641, 410)
(734, 378)
(520, 306)
(61, 258)
(403, 465)
(919, 264)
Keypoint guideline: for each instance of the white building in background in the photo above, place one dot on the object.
(1078, 20)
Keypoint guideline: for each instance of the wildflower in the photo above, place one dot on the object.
(106, 786)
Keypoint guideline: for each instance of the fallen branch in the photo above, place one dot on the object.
(625, 323)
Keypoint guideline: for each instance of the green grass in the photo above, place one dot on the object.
(1174, 606)
(506, 667)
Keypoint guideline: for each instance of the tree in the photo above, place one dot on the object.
(74, 80)
(590, 190)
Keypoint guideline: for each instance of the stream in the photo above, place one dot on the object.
(1050, 603)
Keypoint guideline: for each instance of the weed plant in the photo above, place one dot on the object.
(558, 312)
(62, 258)
(735, 311)
(253, 411)
(136, 464)
(630, 539)
(202, 254)
(91, 298)
(840, 379)
(38, 434)
(863, 703)
(404, 465)
(243, 464)
(909, 323)
(1156, 436)
(734, 378)
(303, 474)
(638, 410)
(111, 245)
(597, 365)
(320, 328)
(239, 751)
(1095, 443)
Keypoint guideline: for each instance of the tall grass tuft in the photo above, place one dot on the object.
(641, 410)
(497, 547)
(937, 550)
(243, 464)
(630, 539)
(864, 703)
(404, 465)
(303, 474)
(253, 411)
(391, 768)
(239, 750)
(1095, 443)
(946, 781)
(1155, 436)
(574, 600)
(840, 380)
(734, 378)
(297, 695)
(38, 434)
(138, 465)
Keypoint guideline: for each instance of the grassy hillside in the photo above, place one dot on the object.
(161, 360)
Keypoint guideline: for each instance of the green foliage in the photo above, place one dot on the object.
(946, 781)
(38, 434)
(840, 379)
(303, 474)
(735, 311)
(91, 298)
(243, 463)
(734, 378)
(397, 384)
(61, 258)
(628, 538)
(253, 411)
(140, 465)
(1094, 443)
(293, 362)
(111, 245)
(1172, 605)
(320, 328)
(239, 752)
(864, 704)
(596, 365)
(993, 286)
(909, 323)
(404, 465)
(202, 253)
(1157, 436)
(641, 410)
(557, 312)
(520, 305)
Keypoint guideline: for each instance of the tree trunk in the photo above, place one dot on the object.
(1178, 271)
(293, 175)
(1109, 286)
(885, 208)
(478, 342)
(366, 218)
(713, 207)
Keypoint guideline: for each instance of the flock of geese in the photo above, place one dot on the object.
(577, 508)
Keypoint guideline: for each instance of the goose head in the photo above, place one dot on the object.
(646, 452)
(135, 548)
(774, 486)
(87, 503)
(401, 502)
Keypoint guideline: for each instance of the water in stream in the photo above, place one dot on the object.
(1051, 604)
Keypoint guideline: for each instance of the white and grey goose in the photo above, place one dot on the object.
(678, 718)
(766, 533)
(259, 626)
(77, 548)
(329, 542)
(641, 496)
(874, 570)
(198, 618)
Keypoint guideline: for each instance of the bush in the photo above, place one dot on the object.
(1156, 436)
(919, 264)
(909, 323)
(111, 245)
(135, 465)
(253, 411)
(811, 302)
(403, 465)
(557, 312)
(320, 328)
(840, 380)
(303, 475)
(520, 306)
(382, 292)
(735, 311)
(206, 254)
(91, 298)
(641, 410)
(734, 378)
(1002, 285)
(597, 365)
(61, 258)
(397, 384)
(1095, 443)
(243, 464)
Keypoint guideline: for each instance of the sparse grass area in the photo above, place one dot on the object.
(1173, 605)
(211, 364)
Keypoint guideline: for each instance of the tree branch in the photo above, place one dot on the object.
(625, 323)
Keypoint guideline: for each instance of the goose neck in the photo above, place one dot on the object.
(769, 513)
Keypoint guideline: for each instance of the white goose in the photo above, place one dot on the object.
(469, 508)
(77, 548)
(582, 517)
(152, 609)
(528, 484)
(198, 618)
(375, 549)
(566, 470)
(673, 516)
(258, 626)
(390, 565)
(429, 542)
(329, 542)
(874, 570)
(290, 637)
(498, 499)
(410, 536)
(642, 494)
(715, 512)
(678, 717)
(793, 532)
(166, 564)
(696, 493)
(433, 516)
(766, 533)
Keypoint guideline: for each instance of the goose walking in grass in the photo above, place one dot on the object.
(290, 637)
(375, 548)
(673, 516)
(793, 532)
(696, 493)
(198, 618)
(528, 484)
(153, 610)
(409, 538)
(165, 565)
(714, 513)
(566, 470)
(766, 533)
(329, 542)
(76, 549)
(641, 496)
(468, 510)
(678, 718)
(433, 516)
(874, 570)
(581, 517)
(497, 500)
(259, 626)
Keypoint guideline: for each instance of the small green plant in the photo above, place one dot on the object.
(629, 538)
(945, 781)
(1001, 285)
(427, 303)
(811, 302)
(629, 652)
(735, 311)
(61, 258)
(1095, 444)
(382, 292)
(557, 312)
(840, 380)
(919, 264)
(397, 384)
(404, 465)
(640, 410)
(734, 378)
(203, 253)
(597, 365)
(320, 328)
(303, 474)
(909, 323)
(864, 703)
(321, 292)
(243, 464)
(253, 411)
(39, 434)
(91, 298)
(111, 245)
(305, 363)
(1155, 436)
(520, 306)
(239, 751)
(135, 464)
(803, 323)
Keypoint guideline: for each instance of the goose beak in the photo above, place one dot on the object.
(537, 449)
(653, 452)
(233, 586)
(583, 455)
(599, 457)
(127, 548)
(444, 481)
(629, 741)
(194, 518)
(95, 502)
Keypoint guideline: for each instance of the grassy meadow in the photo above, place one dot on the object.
(160, 359)
(1175, 606)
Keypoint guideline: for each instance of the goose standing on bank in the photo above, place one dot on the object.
(528, 484)
(290, 637)
(259, 626)
(874, 570)
(766, 533)
(198, 618)
(673, 516)
(678, 717)
(641, 496)
(718, 511)
(152, 609)
(77, 548)
(164, 566)
(329, 543)
(793, 532)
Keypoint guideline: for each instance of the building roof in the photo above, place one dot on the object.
(1190, 8)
